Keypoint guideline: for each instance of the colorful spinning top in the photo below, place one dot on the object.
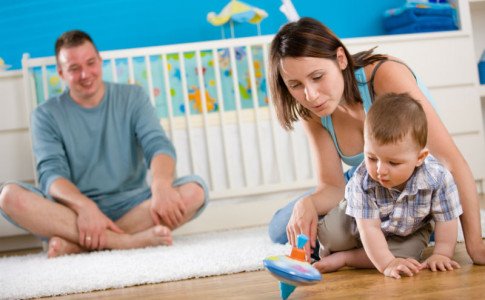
(293, 270)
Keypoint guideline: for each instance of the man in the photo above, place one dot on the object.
(90, 144)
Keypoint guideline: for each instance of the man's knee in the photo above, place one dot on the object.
(10, 198)
(193, 195)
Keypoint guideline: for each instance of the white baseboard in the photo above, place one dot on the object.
(18, 242)
(238, 212)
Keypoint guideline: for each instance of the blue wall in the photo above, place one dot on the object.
(33, 25)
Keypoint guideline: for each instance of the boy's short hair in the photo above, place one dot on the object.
(393, 115)
(72, 38)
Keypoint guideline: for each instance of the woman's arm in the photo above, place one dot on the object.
(395, 77)
(330, 185)
(328, 167)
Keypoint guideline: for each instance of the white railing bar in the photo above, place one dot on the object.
(293, 154)
(151, 92)
(272, 116)
(114, 73)
(187, 110)
(44, 82)
(131, 73)
(237, 97)
(254, 94)
(203, 99)
(168, 95)
(174, 48)
(310, 159)
(29, 96)
(31, 102)
(262, 189)
(258, 40)
(220, 102)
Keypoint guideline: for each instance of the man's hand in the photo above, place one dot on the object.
(167, 207)
(440, 262)
(92, 225)
(402, 266)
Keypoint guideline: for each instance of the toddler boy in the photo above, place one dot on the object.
(393, 199)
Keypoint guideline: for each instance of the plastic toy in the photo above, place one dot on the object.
(293, 270)
(3, 66)
(237, 12)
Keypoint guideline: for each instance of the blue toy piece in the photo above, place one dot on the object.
(293, 270)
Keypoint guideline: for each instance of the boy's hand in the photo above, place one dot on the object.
(440, 262)
(404, 266)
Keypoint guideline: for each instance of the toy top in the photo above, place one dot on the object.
(293, 269)
(301, 240)
(297, 252)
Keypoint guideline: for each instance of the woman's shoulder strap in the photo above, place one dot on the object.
(373, 74)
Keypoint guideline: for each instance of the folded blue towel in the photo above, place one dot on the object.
(420, 8)
(420, 17)
(424, 27)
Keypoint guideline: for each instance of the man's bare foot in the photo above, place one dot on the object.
(331, 263)
(59, 246)
(156, 236)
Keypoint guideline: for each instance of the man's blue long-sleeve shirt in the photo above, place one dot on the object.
(104, 150)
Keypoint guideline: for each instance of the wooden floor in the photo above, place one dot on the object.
(465, 283)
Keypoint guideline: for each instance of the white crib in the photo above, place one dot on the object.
(231, 139)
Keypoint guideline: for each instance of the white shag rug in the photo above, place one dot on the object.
(190, 256)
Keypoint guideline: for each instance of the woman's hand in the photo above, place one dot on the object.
(304, 219)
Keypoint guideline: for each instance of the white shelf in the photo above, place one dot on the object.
(405, 37)
(10, 73)
(481, 90)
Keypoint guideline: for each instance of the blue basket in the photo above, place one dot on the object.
(481, 68)
(481, 72)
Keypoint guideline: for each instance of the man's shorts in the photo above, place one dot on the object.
(120, 211)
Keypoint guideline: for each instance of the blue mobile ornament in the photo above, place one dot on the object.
(293, 270)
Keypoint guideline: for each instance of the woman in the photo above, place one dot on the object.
(313, 78)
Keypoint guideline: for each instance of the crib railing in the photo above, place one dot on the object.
(212, 100)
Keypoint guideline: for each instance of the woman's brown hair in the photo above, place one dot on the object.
(308, 37)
